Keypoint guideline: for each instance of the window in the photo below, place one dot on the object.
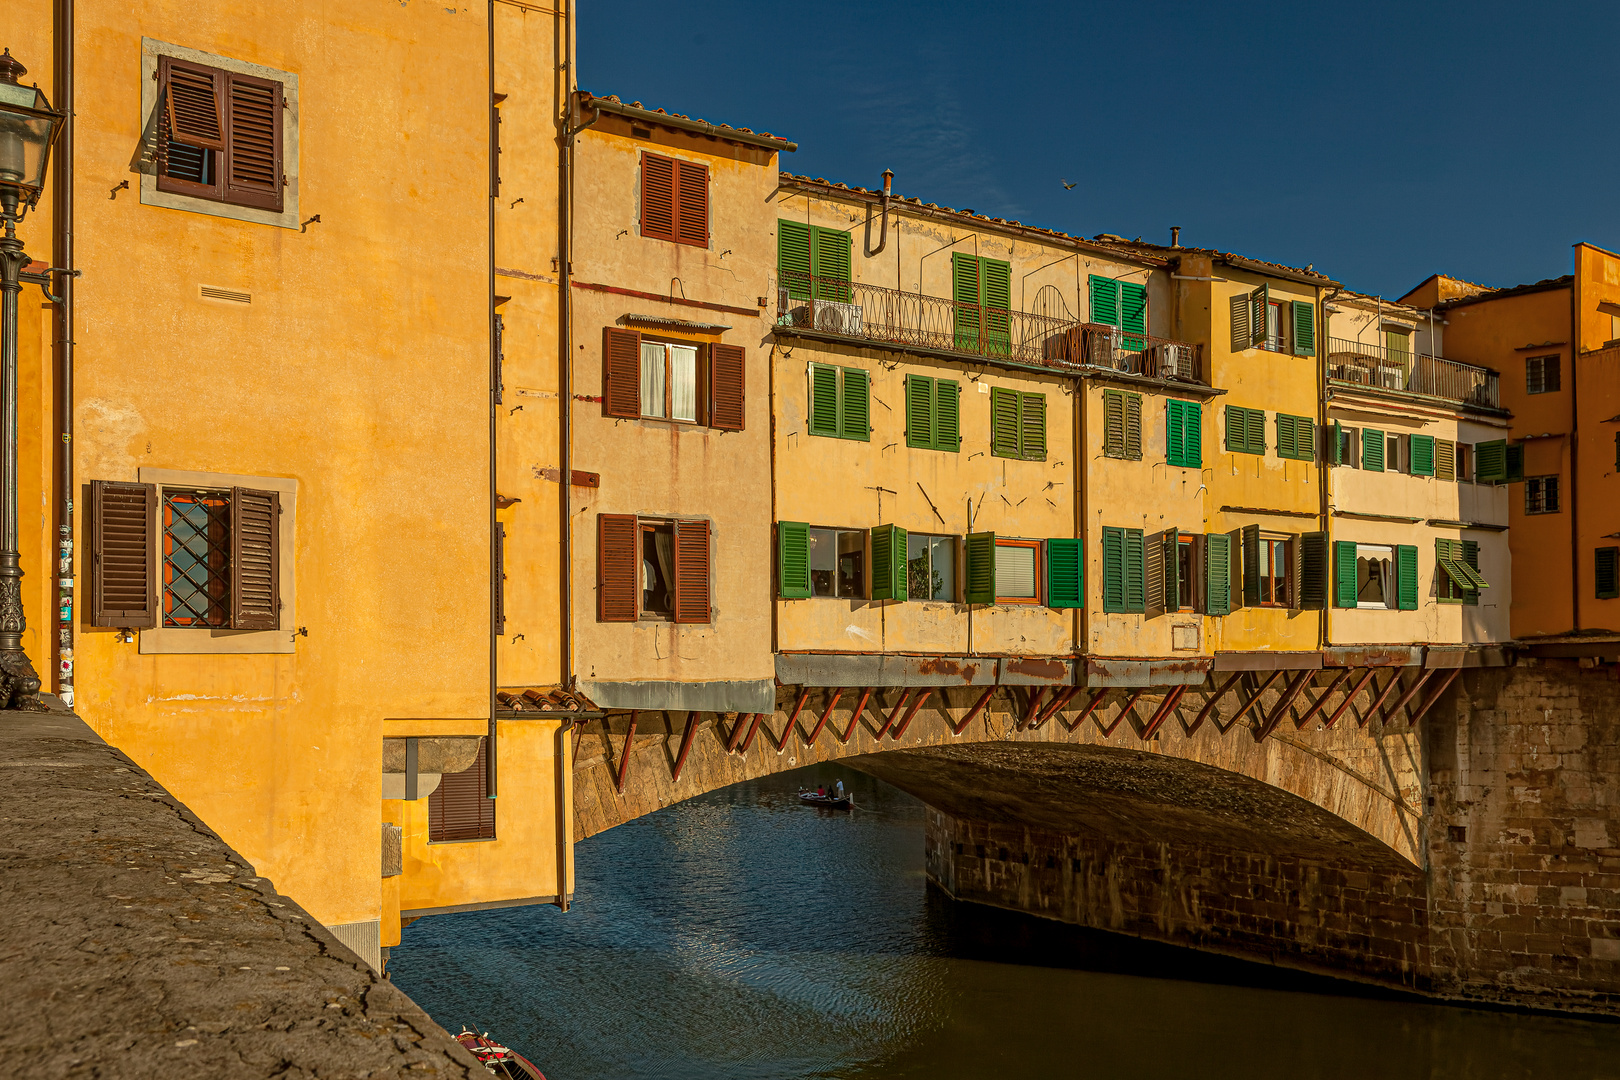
(1375, 583)
(1457, 578)
(1181, 588)
(1399, 345)
(820, 562)
(674, 200)
(1017, 424)
(1498, 462)
(1394, 460)
(982, 292)
(1465, 463)
(646, 378)
(1304, 329)
(1017, 571)
(196, 558)
(219, 135)
(933, 420)
(930, 567)
(1258, 322)
(1122, 425)
(1274, 326)
(1245, 430)
(1541, 494)
(1008, 571)
(1123, 304)
(1296, 437)
(1541, 374)
(1268, 561)
(1184, 438)
(811, 260)
(1608, 573)
(1374, 576)
(1124, 571)
(460, 807)
(651, 568)
(1341, 444)
(840, 402)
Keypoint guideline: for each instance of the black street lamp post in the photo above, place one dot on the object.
(27, 126)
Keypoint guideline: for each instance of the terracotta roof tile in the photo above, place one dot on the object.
(587, 97)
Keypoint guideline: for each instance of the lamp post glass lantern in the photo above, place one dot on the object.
(27, 126)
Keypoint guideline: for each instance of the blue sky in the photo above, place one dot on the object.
(1380, 142)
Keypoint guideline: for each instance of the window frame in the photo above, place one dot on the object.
(866, 575)
(1539, 486)
(1192, 580)
(957, 558)
(1391, 593)
(1270, 542)
(701, 381)
(644, 528)
(1536, 372)
(1039, 548)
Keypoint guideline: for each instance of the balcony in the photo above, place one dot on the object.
(850, 309)
(1381, 368)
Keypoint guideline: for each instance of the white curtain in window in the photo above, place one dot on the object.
(664, 544)
(1015, 572)
(652, 379)
(683, 382)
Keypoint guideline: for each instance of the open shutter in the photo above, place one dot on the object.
(1304, 329)
(1406, 576)
(824, 400)
(621, 372)
(1135, 571)
(829, 257)
(1065, 573)
(255, 559)
(1372, 450)
(1313, 584)
(1113, 423)
(1259, 307)
(1217, 574)
(920, 412)
(692, 204)
(793, 560)
(1422, 456)
(1174, 433)
(1032, 426)
(1003, 422)
(123, 547)
(1344, 574)
(191, 103)
(1192, 439)
(981, 568)
(460, 807)
(1104, 300)
(252, 166)
(657, 197)
(1515, 463)
(1490, 461)
(1251, 564)
(691, 571)
(728, 365)
(947, 415)
(500, 578)
(1133, 314)
(1445, 460)
(1237, 429)
(1608, 573)
(855, 421)
(1336, 444)
(1240, 323)
(1304, 438)
(616, 568)
(1470, 558)
(793, 257)
(1169, 551)
(1113, 546)
(888, 563)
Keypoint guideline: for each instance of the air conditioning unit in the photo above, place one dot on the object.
(1101, 347)
(1176, 361)
(833, 317)
(1392, 378)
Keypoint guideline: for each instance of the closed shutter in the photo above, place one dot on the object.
(1135, 571)
(855, 420)
(1113, 554)
(1032, 426)
(1240, 323)
(1445, 460)
(657, 197)
(617, 567)
(1422, 455)
(1065, 573)
(1237, 429)
(1256, 431)
(1104, 300)
(1287, 436)
(1217, 574)
(1113, 423)
(793, 257)
(888, 563)
(500, 579)
(1192, 445)
(981, 568)
(920, 412)
(691, 571)
(793, 560)
(728, 365)
(1372, 450)
(252, 167)
(123, 547)
(1608, 573)
(1251, 564)
(1169, 551)
(829, 256)
(824, 400)
(1133, 314)
(1406, 576)
(255, 559)
(692, 203)
(1259, 308)
(1304, 329)
(621, 373)
(947, 415)
(1133, 427)
(1174, 434)
(1313, 578)
(996, 289)
(1344, 574)
(965, 292)
(1003, 422)
(460, 807)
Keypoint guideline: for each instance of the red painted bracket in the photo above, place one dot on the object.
(753, 726)
(825, 713)
(1034, 707)
(737, 730)
(1209, 706)
(1252, 702)
(895, 715)
(1058, 701)
(1085, 713)
(1321, 700)
(978, 707)
(1411, 693)
(1434, 696)
(1361, 684)
(793, 718)
(1166, 707)
(1280, 710)
(1128, 710)
(1377, 705)
(624, 757)
(915, 705)
(855, 717)
(686, 746)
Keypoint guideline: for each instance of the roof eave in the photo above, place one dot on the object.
(697, 127)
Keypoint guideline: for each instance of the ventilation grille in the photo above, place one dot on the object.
(230, 296)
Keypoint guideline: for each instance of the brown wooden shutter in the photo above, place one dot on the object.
(621, 372)
(252, 166)
(617, 567)
(122, 546)
(255, 559)
(691, 203)
(657, 197)
(500, 578)
(191, 96)
(460, 807)
(691, 571)
(727, 364)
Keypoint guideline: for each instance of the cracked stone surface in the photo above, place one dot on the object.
(135, 943)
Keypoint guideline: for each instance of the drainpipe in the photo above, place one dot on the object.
(1324, 635)
(883, 236)
(494, 397)
(62, 256)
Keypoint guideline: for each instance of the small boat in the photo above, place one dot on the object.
(826, 802)
(501, 1061)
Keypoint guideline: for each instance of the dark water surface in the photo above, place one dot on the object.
(743, 935)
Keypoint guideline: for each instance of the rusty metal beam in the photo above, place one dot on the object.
(1434, 696)
(895, 715)
(825, 713)
(737, 730)
(793, 718)
(1378, 703)
(1035, 698)
(1361, 684)
(1321, 699)
(753, 726)
(624, 758)
(1209, 706)
(1058, 701)
(984, 699)
(855, 717)
(1255, 700)
(1279, 710)
(1411, 693)
(686, 746)
(1085, 713)
(1166, 707)
(1128, 710)
(915, 705)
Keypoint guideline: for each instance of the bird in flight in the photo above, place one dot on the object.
(1066, 184)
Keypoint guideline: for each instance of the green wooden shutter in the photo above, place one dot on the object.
(1175, 435)
(1344, 569)
(1192, 439)
(1032, 426)
(888, 563)
(1422, 455)
(1237, 429)
(1313, 583)
(1259, 308)
(1135, 571)
(1133, 426)
(1515, 463)
(793, 559)
(920, 412)
(1490, 461)
(1470, 557)
(1170, 553)
(793, 257)
(1113, 545)
(1251, 564)
(830, 259)
(1406, 576)
(966, 294)
(1114, 423)
(1304, 329)
(1133, 314)
(1217, 574)
(855, 422)
(1256, 431)
(1003, 422)
(1608, 573)
(1240, 322)
(947, 415)
(1287, 436)
(1372, 450)
(996, 288)
(824, 400)
(1304, 438)
(1065, 573)
(1104, 300)
(1336, 449)
(981, 568)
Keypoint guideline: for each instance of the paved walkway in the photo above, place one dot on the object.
(134, 943)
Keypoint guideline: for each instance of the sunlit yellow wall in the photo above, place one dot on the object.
(1597, 282)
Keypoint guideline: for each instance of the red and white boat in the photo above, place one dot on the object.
(501, 1061)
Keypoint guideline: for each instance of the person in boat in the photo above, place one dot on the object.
(839, 790)
(822, 791)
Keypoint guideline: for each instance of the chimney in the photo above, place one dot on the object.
(1175, 236)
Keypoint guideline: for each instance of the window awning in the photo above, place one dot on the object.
(1464, 575)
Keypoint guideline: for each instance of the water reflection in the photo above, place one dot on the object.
(744, 935)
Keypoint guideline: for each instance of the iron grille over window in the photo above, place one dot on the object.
(196, 558)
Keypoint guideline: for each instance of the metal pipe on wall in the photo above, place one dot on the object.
(494, 397)
(62, 256)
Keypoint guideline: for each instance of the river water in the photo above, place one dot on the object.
(743, 935)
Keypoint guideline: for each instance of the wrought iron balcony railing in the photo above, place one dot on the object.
(1378, 366)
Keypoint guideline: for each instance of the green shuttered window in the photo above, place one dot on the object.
(805, 250)
(1499, 462)
(982, 292)
(1304, 329)
(1313, 564)
(1122, 304)
(1608, 573)
(1296, 437)
(1184, 434)
(888, 563)
(1065, 573)
(840, 402)
(1122, 425)
(1344, 573)
(1372, 450)
(933, 420)
(981, 568)
(1017, 424)
(1406, 576)
(1124, 571)
(1422, 455)
(1218, 574)
(793, 559)
(1245, 430)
